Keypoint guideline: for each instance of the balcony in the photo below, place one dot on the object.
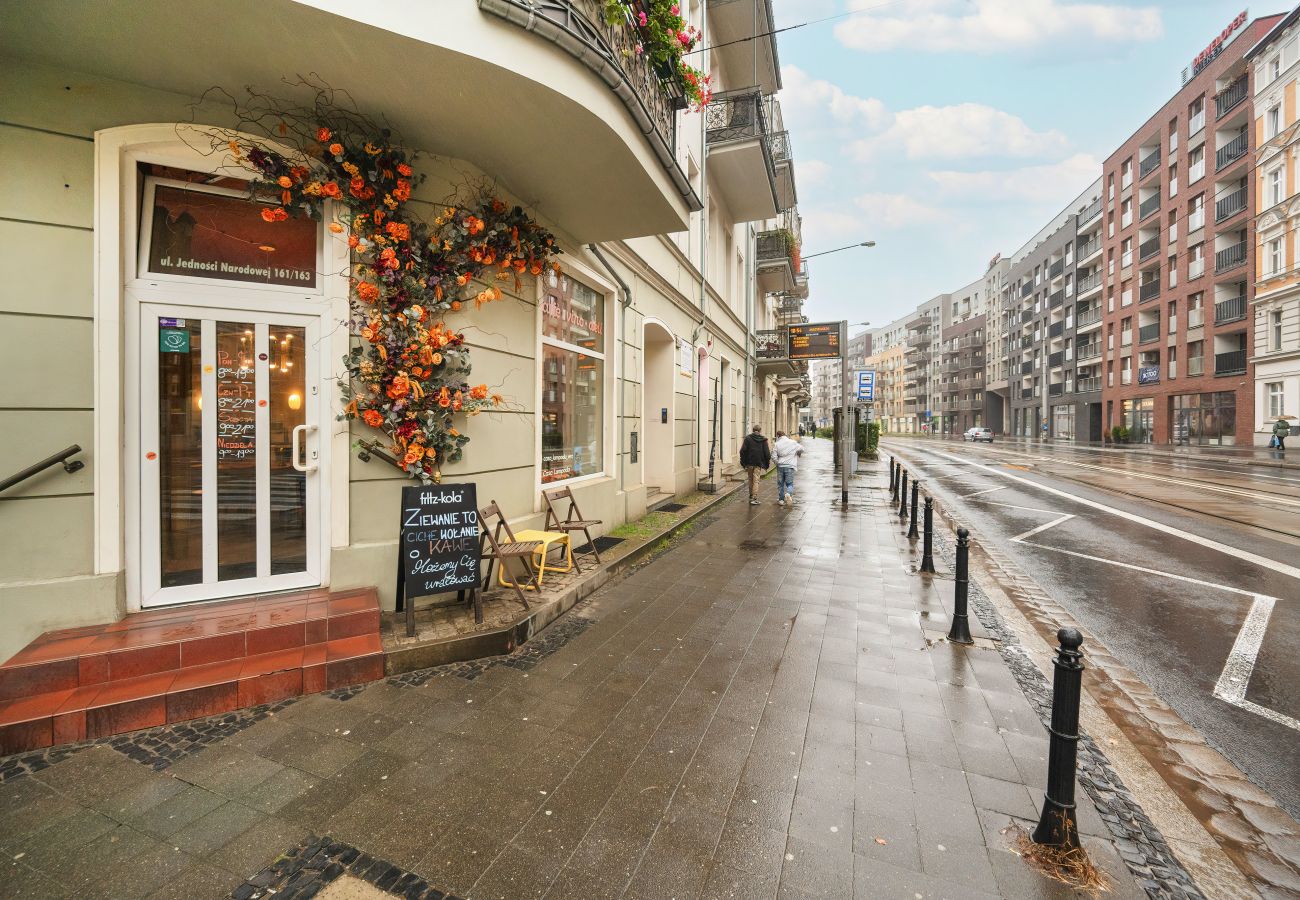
(1232, 151)
(1196, 123)
(1026, 288)
(1056, 390)
(1026, 315)
(918, 340)
(1149, 164)
(1087, 284)
(1230, 257)
(1056, 269)
(1231, 363)
(1088, 351)
(1086, 250)
(920, 323)
(783, 160)
(1026, 342)
(1149, 290)
(1026, 368)
(772, 353)
(1148, 248)
(1230, 310)
(732, 30)
(1230, 97)
(1148, 206)
(1088, 317)
(1148, 333)
(1087, 385)
(1056, 360)
(1026, 393)
(1056, 299)
(1195, 318)
(1056, 329)
(738, 138)
(774, 261)
(1090, 212)
(1230, 205)
(950, 368)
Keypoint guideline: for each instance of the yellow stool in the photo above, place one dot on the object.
(548, 540)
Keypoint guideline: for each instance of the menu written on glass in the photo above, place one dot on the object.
(819, 341)
(236, 409)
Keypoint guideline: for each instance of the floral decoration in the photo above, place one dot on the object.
(665, 39)
(408, 375)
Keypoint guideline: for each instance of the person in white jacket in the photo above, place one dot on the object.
(785, 453)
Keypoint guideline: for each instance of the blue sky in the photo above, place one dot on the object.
(951, 130)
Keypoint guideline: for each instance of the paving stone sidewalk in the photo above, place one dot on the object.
(759, 711)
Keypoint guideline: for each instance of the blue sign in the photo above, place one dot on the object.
(1148, 374)
(866, 385)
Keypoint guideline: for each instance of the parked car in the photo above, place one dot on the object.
(978, 434)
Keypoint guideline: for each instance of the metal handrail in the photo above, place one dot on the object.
(69, 466)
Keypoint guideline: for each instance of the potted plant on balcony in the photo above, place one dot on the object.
(664, 39)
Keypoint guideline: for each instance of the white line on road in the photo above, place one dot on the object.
(1235, 678)
(989, 491)
(1012, 505)
(1244, 555)
(1020, 538)
(1136, 568)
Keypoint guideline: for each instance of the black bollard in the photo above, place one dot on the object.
(959, 633)
(893, 479)
(902, 497)
(912, 532)
(1057, 826)
(927, 557)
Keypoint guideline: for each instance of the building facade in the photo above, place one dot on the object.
(205, 396)
(1180, 276)
(1275, 306)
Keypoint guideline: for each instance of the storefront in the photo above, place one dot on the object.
(1063, 421)
(1139, 418)
(1209, 418)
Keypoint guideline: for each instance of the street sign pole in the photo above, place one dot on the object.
(846, 449)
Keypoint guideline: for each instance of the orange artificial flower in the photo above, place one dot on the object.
(444, 398)
(456, 405)
(398, 230)
(413, 455)
(336, 149)
(331, 189)
(336, 228)
(353, 241)
(436, 359)
(473, 225)
(322, 134)
(373, 418)
(388, 258)
(497, 399)
(455, 306)
(274, 214)
(368, 293)
(284, 181)
(400, 387)
(404, 170)
(371, 331)
(479, 392)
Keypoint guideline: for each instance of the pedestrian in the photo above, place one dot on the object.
(756, 457)
(1281, 431)
(787, 452)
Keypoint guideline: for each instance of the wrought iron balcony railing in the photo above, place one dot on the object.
(1230, 205)
(1230, 257)
(1149, 289)
(1230, 310)
(1231, 363)
(1148, 206)
(1232, 151)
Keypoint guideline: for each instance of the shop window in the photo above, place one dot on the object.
(573, 379)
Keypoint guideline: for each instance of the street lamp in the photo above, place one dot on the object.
(838, 249)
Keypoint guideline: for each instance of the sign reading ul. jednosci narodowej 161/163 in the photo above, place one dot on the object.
(440, 545)
(816, 341)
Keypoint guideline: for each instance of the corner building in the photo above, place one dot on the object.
(1179, 274)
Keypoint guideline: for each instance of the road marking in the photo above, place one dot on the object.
(1137, 568)
(1014, 506)
(989, 491)
(1244, 555)
(1235, 678)
(1020, 538)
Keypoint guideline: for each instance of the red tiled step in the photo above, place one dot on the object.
(168, 666)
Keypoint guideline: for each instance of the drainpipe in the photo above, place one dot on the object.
(626, 301)
(704, 250)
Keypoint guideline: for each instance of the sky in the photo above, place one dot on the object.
(951, 130)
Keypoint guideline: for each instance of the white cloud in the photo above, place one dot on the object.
(960, 132)
(997, 26)
(1026, 183)
(824, 228)
(895, 210)
(810, 172)
(816, 102)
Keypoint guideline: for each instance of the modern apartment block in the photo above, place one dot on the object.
(961, 361)
(1275, 307)
(1051, 312)
(996, 338)
(921, 363)
(1179, 277)
(888, 365)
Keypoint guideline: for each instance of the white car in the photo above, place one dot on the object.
(978, 434)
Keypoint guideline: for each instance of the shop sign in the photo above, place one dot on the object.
(1148, 374)
(819, 341)
(1206, 56)
(202, 232)
(173, 340)
(686, 357)
(439, 543)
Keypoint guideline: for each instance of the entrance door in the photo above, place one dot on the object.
(230, 484)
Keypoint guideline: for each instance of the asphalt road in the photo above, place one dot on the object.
(1183, 568)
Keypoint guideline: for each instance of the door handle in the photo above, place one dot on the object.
(294, 445)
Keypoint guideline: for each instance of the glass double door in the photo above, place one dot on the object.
(230, 445)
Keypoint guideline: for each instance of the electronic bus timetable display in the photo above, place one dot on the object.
(817, 341)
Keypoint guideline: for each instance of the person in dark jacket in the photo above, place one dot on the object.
(756, 457)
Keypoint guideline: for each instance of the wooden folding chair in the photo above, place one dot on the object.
(573, 520)
(493, 550)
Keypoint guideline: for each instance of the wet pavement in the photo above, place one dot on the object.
(1183, 568)
(764, 709)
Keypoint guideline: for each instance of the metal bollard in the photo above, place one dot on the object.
(893, 478)
(912, 532)
(959, 633)
(927, 556)
(1057, 825)
(902, 497)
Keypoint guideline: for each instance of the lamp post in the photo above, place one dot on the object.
(838, 249)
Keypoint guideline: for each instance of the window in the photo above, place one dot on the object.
(1275, 330)
(1274, 69)
(1195, 164)
(1196, 115)
(1196, 213)
(1272, 122)
(1276, 404)
(573, 378)
(1172, 318)
(1276, 185)
(1196, 311)
(1196, 261)
(1274, 260)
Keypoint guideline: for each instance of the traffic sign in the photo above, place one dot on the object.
(866, 385)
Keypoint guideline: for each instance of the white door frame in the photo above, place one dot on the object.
(119, 290)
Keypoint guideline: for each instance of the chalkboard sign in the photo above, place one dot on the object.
(439, 546)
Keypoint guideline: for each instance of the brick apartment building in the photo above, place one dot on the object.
(1179, 272)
